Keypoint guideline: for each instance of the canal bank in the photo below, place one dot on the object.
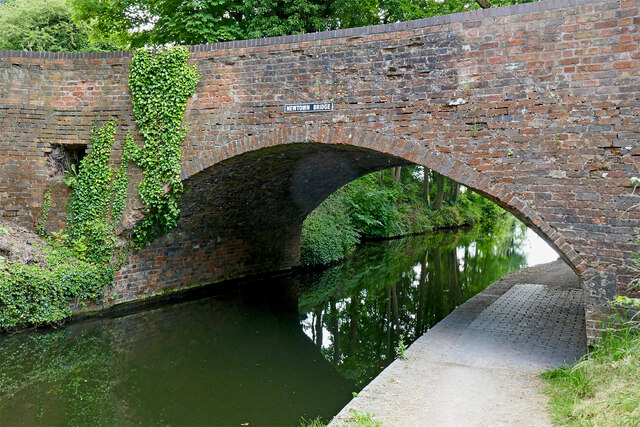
(479, 366)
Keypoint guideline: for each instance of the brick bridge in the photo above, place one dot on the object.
(536, 106)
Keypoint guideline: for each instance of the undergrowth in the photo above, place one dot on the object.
(603, 388)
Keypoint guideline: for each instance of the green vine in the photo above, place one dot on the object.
(98, 198)
(46, 205)
(161, 84)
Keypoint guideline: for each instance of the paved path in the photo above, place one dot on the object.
(479, 366)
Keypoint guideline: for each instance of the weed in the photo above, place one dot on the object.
(363, 419)
(401, 348)
(316, 422)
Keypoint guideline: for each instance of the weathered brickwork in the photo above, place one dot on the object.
(536, 106)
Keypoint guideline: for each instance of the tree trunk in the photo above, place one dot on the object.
(381, 181)
(439, 181)
(335, 330)
(353, 325)
(319, 328)
(395, 173)
(426, 184)
(455, 191)
(421, 289)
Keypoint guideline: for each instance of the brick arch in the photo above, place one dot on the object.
(406, 149)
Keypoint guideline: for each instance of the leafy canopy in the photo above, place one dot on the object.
(45, 25)
(136, 23)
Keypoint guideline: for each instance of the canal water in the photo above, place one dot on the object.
(270, 352)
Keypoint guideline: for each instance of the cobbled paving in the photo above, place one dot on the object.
(531, 326)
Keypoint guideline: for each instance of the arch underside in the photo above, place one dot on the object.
(242, 214)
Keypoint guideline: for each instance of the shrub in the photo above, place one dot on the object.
(373, 211)
(39, 294)
(327, 233)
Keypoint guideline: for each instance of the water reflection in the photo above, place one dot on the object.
(264, 355)
(357, 311)
(224, 361)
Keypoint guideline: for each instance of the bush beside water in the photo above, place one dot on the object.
(369, 209)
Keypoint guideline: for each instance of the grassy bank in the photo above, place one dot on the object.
(371, 208)
(602, 389)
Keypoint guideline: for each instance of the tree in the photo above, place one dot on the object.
(135, 23)
(439, 181)
(356, 13)
(426, 183)
(44, 25)
(267, 18)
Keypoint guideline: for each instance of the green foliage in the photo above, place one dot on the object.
(373, 210)
(69, 373)
(628, 301)
(316, 422)
(98, 198)
(46, 205)
(354, 13)
(328, 234)
(138, 23)
(362, 419)
(401, 348)
(161, 85)
(40, 294)
(268, 18)
(70, 176)
(601, 388)
(81, 263)
(364, 208)
(44, 25)
(425, 277)
(77, 264)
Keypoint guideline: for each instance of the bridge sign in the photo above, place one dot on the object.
(308, 108)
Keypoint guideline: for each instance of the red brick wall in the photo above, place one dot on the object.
(535, 105)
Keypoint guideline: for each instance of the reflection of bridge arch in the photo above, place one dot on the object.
(533, 105)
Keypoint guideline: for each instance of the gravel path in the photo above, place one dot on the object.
(479, 366)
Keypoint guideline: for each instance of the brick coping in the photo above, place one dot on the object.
(470, 16)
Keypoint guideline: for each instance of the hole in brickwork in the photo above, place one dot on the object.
(65, 158)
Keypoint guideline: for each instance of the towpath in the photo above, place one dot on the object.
(480, 365)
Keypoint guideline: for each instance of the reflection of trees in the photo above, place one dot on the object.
(63, 374)
(403, 287)
(225, 361)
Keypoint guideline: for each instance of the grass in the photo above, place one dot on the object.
(356, 419)
(601, 389)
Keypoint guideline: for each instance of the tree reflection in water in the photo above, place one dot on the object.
(357, 311)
